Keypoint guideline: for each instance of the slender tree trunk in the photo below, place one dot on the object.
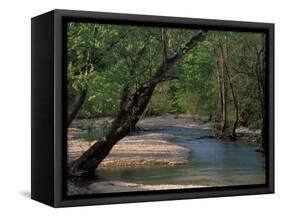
(220, 87)
(224, 102)
(260, 74)
(222, 80)
(78, 102)
(124, 96)
(235, 125)
(235, 102)
(76, 107)
(129, 114)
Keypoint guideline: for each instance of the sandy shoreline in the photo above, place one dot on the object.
(144, 150)
(149, 149)
(139, 150)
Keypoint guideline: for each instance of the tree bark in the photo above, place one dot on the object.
(235, 102)
(124, 96)
(82, 96)
(223, 90)
(258, 73)
(129, 114)
(78, 104)
(260, 77)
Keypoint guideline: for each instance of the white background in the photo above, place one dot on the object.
(15, 106)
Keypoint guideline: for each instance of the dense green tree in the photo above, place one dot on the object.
(136, 102)
(127, 72)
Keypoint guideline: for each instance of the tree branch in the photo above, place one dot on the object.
(165, 66)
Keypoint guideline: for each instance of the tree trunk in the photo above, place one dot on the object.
(235, 102)
(81, 98)
(224, 102)
(127, 117)
(129, 114)
(235, 125)
(78, 104)
(124, 96)
(222, 80)
(260, 74)
(220, 87)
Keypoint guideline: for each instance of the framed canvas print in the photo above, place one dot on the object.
(130, 108)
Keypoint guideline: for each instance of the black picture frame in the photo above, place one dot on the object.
(48, 148)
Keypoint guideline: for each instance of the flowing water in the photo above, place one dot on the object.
(213, 162)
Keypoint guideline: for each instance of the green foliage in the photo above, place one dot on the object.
(256, 125)
(106, 59)
(196, 92)
(161, 101)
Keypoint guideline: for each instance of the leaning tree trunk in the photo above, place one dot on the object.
(121, 126)
(76, 107)
(79, 101)
(129, 114)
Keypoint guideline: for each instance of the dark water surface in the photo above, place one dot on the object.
(213, 162)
